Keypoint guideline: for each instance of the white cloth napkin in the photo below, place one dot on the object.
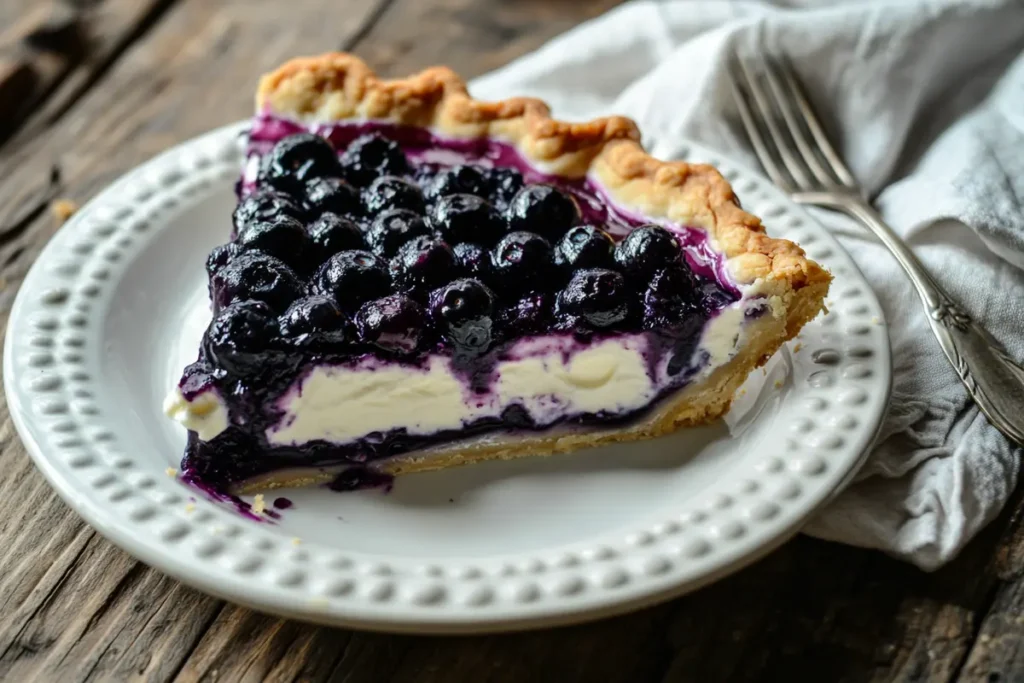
(927, 99)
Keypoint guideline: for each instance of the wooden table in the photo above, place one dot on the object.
(138, 76)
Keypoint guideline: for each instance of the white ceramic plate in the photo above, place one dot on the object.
(95, 339)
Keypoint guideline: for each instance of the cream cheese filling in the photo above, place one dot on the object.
(205, 414)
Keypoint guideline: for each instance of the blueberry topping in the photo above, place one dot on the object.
(463, 310)
(263, 204)
(669, 298)
(370, 156)
(393, 228)
(393, 323)
(390, 192)
(239, 336)
(315, 321)
(521, 261)
(529, 315)
(332, 233)
(585, 246)
(648, 249)
(255, 276)
(456, 180)
(352, 277)
(297, 159)
(543, 209)
(423, 263)
(472, 259)
(281, 236)
(598, 296)
(503, 184)
(332, 195)
(466, 218)
(220, 257)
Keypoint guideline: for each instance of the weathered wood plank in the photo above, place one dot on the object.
(997, 652)
(103, 30)
(472, 37)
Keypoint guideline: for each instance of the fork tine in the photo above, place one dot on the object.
(774, 171)
(785, 102)
(768, 116)
(814, 126)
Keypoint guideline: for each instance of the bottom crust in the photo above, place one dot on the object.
(697, 404)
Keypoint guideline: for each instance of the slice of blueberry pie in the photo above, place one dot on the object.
(417, 279)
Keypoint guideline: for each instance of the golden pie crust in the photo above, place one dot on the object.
(336, 87)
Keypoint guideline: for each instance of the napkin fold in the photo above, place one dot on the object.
(926, 101)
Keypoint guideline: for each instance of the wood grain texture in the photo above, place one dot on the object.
(77, 609)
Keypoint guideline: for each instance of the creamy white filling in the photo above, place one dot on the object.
(206, 414)
(546, 377)
(550, 377)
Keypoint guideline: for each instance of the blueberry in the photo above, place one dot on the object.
(423, 263)
(255, 276)
(598, 296)
(393, 323)
(390, 192)
(543, 209)
(712, 297)
(351, 278)
(282, 236)
(669, 298)
(463, 310)
(472, 260)
(456, 180)
(265, 203)
(392, 229)
(527, 316)
(220, 257)
(647, 249)
(521, 261)
(373, 155)
(503, 184)
(296, 159)
(466, 218)
(331, 195)
(332, 233)
(314, 322)
(238, 338)
(585, 246)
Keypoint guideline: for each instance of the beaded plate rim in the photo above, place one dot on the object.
(51, 359)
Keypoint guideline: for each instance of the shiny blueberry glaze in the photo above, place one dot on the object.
(253, 390)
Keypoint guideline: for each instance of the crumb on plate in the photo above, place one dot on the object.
(258, 504)
(171, 472)
(63, 209)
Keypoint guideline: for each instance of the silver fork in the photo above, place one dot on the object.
(794, 150)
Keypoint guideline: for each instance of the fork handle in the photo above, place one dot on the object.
(993, 379)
